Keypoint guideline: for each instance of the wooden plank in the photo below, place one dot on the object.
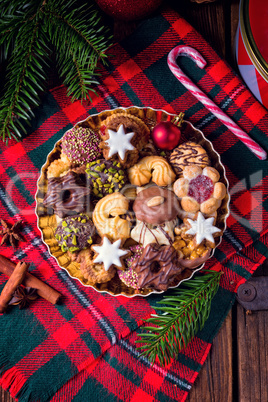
(5, 396)
(214, 383)
(252, 351)
(206, 18)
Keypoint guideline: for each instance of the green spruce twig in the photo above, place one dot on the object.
(184, 311)
(29, 33)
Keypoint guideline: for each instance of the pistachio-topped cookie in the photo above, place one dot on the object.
(75, 233)
(105, 177)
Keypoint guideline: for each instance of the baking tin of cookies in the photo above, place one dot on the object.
(48, 221)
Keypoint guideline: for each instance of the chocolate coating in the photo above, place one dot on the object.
(67, 195)
(105, 177)
(167, 211)
(188, 153)
(75, 233)
(81, 145)
(157, 267)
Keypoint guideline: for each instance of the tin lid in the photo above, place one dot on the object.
(254, 31)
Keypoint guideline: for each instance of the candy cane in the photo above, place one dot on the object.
(202, 97)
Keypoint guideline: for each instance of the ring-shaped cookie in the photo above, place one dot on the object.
(151, 167)
(107, 216)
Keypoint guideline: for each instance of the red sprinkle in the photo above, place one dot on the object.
(201, 188)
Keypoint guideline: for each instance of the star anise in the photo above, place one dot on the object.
(23, 296)
(10, 233)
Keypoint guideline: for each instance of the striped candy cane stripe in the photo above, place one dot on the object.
(202, 97)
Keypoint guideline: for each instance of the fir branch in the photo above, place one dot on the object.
(184, 311)
(25, 77)
(79, 42)
(27, 31)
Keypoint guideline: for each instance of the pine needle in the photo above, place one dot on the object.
(182, 313)
(29, 33)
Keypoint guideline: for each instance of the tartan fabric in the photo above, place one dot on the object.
(84, 347)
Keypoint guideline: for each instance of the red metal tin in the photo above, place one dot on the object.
(252, 47)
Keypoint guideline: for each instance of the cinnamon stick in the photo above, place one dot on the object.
(42, 289)
(14, 281)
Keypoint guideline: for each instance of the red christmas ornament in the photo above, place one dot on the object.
(166, 135)
(128, 10)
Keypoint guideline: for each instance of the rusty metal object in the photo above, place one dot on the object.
(253, 294)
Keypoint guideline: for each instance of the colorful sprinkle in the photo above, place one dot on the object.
(81, 145)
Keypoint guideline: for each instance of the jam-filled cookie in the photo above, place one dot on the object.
(200, 189)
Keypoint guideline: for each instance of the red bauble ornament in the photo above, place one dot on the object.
(166, 135)
(128, 10)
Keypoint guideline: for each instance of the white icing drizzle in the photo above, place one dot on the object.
(109, 253)
(202, 228)
(119, 142)
(146, 233)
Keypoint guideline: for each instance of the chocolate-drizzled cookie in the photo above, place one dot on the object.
(68, 195)
(157, 267)
(188, 153)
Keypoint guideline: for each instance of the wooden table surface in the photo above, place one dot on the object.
(237, 366)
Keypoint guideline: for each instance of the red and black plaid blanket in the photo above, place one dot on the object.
(84, 348)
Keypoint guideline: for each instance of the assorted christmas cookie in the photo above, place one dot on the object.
(129, 277)
(156, 205)
(145, 233)
(59, 167)
(110, 216)
(75, 233)
(123, 136)
(110, 253)
(105, 177)
(200, 189)
(155, 168)
(188, 153)
(202, 229)
(157, 267)
(94, 272)
(136, 205)
(67, 195)
(189, 255)
(81, 145)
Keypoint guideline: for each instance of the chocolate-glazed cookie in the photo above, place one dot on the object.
(68, 195)
(105, 177)
(188, 153)
(157, 267)
(75, 233)
(156, 205)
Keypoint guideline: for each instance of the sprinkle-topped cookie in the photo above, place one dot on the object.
(130, 277)
(81, 145)
(75, 233)
(105, 177)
